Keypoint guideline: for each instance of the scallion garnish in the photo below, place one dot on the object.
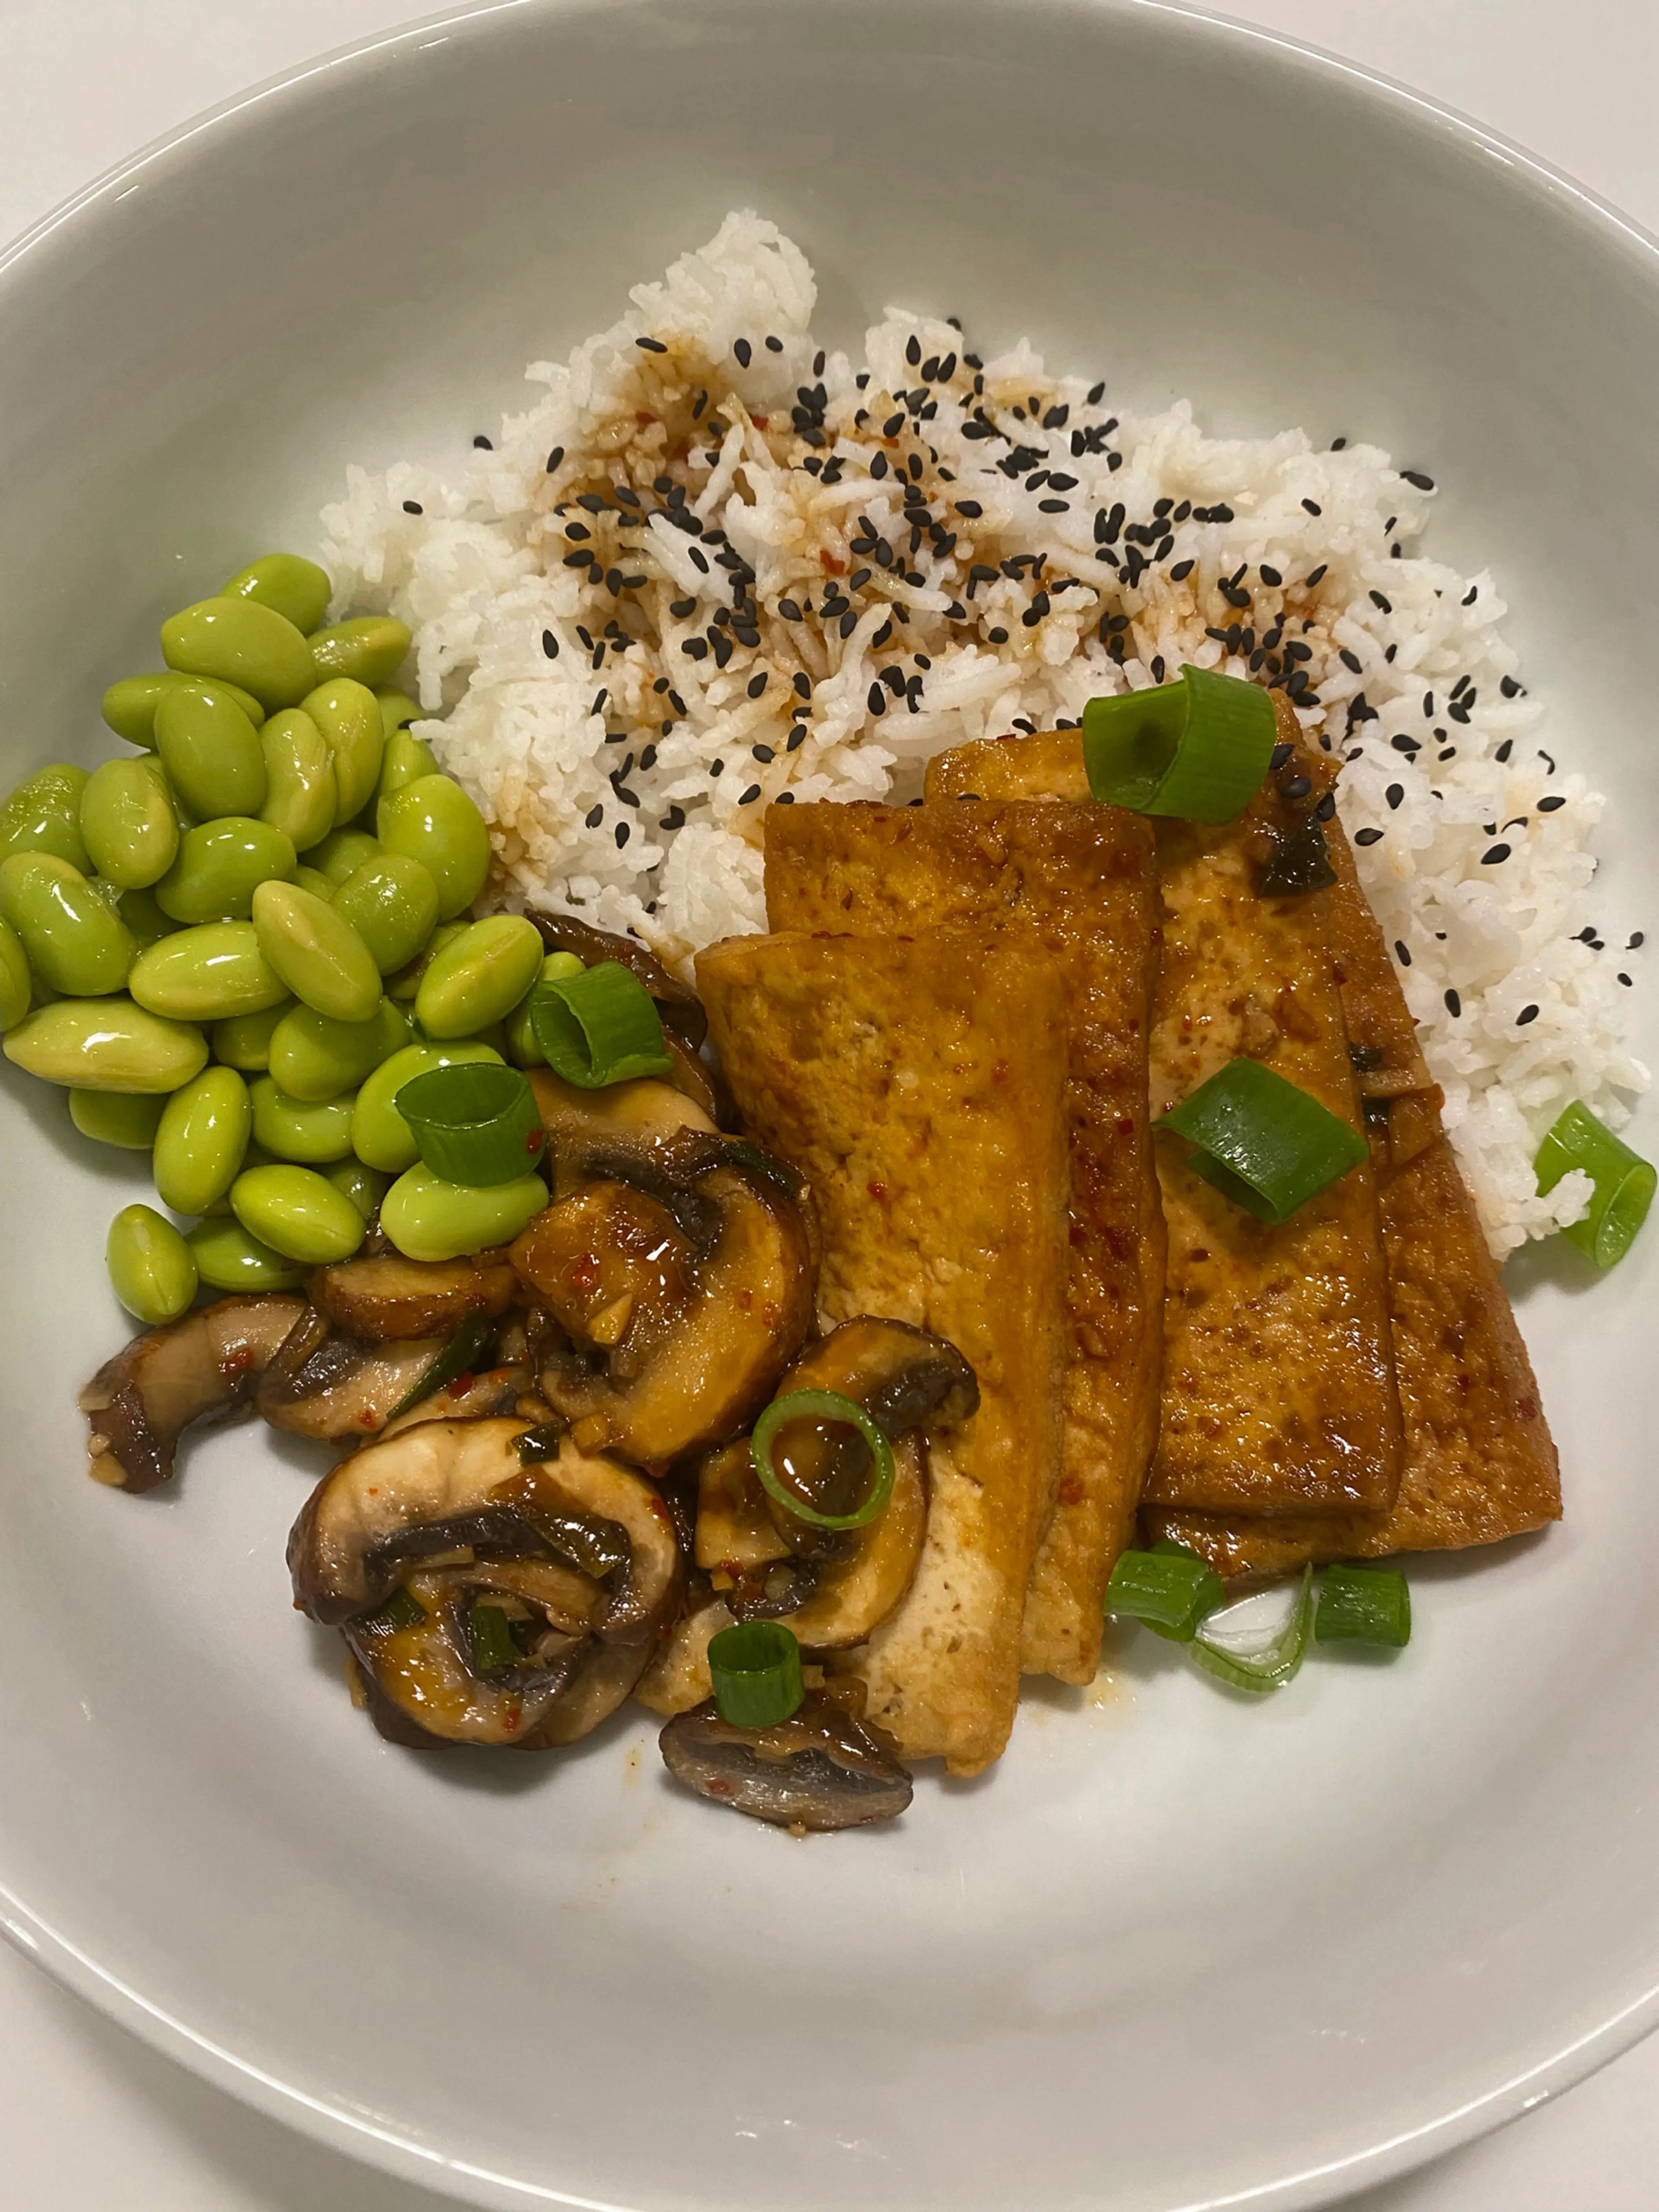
(1261, 1142)
(1169, 1589)
(542, 1442)
(1276, 1663)
(599, 1027)
(403, 1609)
(1624, 1182)
(1198, 748)
(475, 1122)
(1364, 1605)
(822, 1405)
(755, 1671)
(490, 1635)
(459, 1357)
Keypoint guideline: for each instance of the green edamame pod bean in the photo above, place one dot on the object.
(342, 852)
(434, 822)
(392, 903)
(364, 1186)
(76, 942)
(105, 1044)
(314, 1058)
(428, 1218)
(300, 792)
(15, 980)
(128, 707)
(349, 716)
(144, 918)
(152, 1270)
(43, 814)
(211, 751)
(256, 1155)
(370, 650)
(297, 1213)
(301, 1129)
(522, 1048)
(204, 1133)
(312, 880)
(239, 641)
(207, 974)
(404, 760)
(379, 1135)
(230, 1259)
(220, 865)
(117, 1117)
(127, 822)
(398, 709)
(295, 588)
(316, 951)
(244, 1040)
(407, 982)
(479, 976)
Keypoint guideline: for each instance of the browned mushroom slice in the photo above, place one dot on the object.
(846, 1602)
(140, 1402)
(820, 1768)
(642, 1112)
(390, 1298)
(680, 1007)
(678, 1677)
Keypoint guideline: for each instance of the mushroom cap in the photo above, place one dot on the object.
(820, 1768)
(139, 1403)
(388, 1298)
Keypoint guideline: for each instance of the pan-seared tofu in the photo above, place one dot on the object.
(1081, 877)
(919, 1084)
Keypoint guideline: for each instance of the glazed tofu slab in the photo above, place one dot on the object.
(920, 1085)
(1081, 877)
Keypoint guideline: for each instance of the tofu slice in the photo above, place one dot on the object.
(1082, 877)
(1279, 1393)
(919, 1084)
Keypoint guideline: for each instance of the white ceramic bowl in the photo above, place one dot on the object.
(1176, 1952)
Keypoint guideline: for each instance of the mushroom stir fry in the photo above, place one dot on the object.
(573, 1462)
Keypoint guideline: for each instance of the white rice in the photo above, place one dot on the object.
(1479, 868)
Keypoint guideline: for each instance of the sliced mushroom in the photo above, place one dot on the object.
(680, 1007)
(642, 1112)
(140, 1402)
(736, 1532)
(678, 1677)
(323, 1384)
(390, 1299)
(846, 1603)
(820, 1768)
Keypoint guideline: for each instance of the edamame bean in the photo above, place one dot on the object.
(117, 1117)
(128, 824)
(434, 822)
(370, 650)
(256, 1155)
(349, 716)
(312, 880)
(314, 1058)
(244, 1040)
(298, 1212)
(407, 982)
(405, 758)
(75, 941)
(428, 1218)
(316, 951)
(128, 707)
(398, 709)
(230, 1259)
(220, 865)
(144, 918)
(392, 903)
(105, 1044)
(479, 976)
(239, 641)
(15, 980)
(364, 1186)
(204, 1132)
(210, 751)
(207, 974)
(342, 852)
(379, 1135)
(43, 814)
(300, 791)
(522, 1048)
(292, 586)
(305, 1130)
(152, 1270)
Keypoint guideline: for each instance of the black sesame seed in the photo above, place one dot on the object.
(550, 644)
(1312, 507)
(1494, 854)
(1298, 787)
(774, 345)
(651, 345)
(1367, 836)
(1401, 953)
(1327, 807)
(681, 608)
(745, 352)
(1527, 1014)
(1181, 570)
(1548, 805)
(1453, 1004)
(1416, 476)
(483, 443)
(1395, 794)
(1509, 687)
(412, 507)
(1279, 756)
(750, 796)
(554, 459)
(594, 816)
(997, 636)
(1315, 575)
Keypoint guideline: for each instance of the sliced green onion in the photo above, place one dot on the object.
(475, 1122)
(1364, 1605)
(1198, 749)
(1167, 1588)
(490, 1635)
(599, 1027)
(540, 1443)
(1261, 1142)
(1299, 862)
(459, 1357)
(1275, 1664)
(755, 1671)
(822, 1405)
(1624, 1182)
(403, 1609)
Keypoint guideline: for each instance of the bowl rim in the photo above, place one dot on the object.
(335, 2124)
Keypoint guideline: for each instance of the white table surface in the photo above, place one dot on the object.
(89, 2118)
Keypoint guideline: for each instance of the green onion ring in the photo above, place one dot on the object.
(459, 1357)
(755, 1668)
(1198, 748)
(1624, 1182)
(1263, 1143)
(492, 1648)
(1270, 1667)
(598, 1027)
(1168, 1589)
(475, 1122)
(1364, 1605)
(822, 1405)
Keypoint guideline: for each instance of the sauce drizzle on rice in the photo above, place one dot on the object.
(718, 567)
